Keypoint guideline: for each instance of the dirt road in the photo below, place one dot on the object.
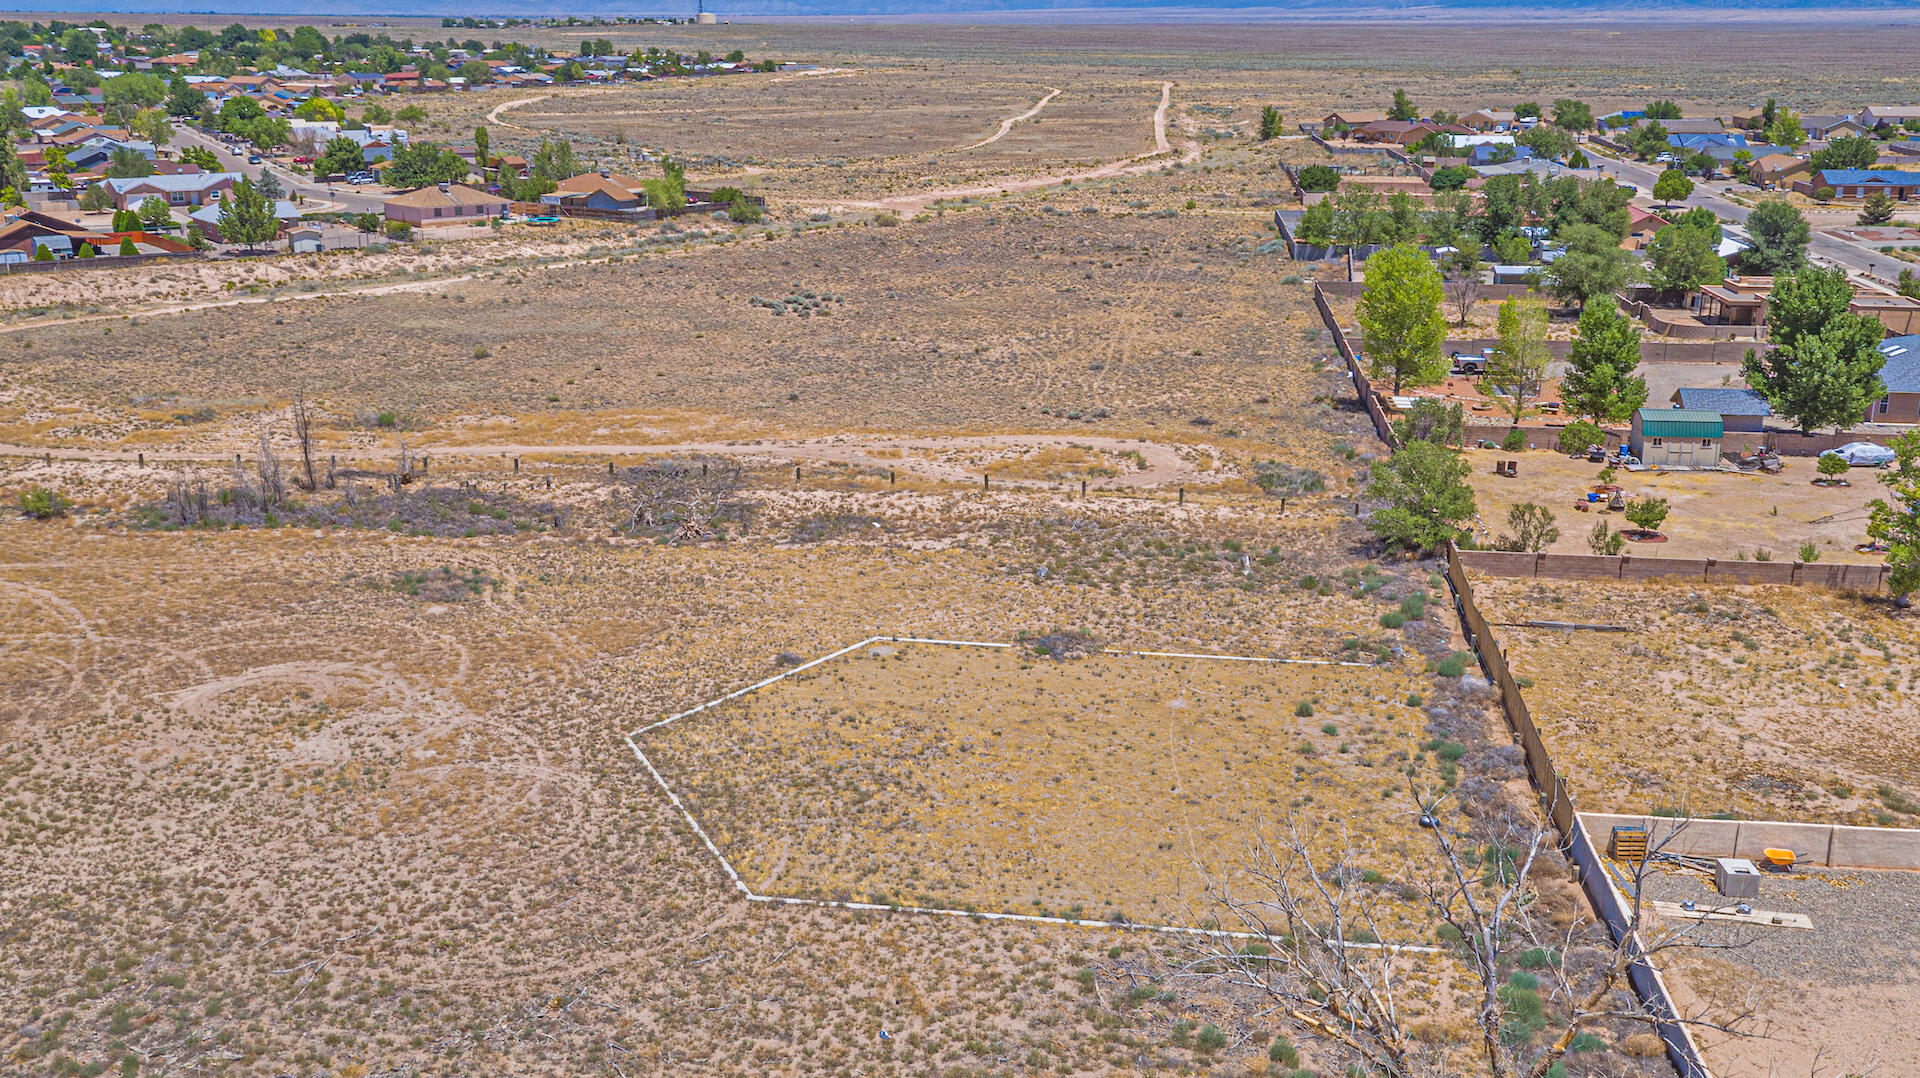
(1006, 125)
(1162, 464)
(1150, 161)
(493, 115)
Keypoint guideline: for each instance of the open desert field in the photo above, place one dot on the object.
(325, 772)
(1112, 787)
(1762, 703)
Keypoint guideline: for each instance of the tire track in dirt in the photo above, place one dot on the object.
(1006, 125)
(1151, 161)
(1162, 463)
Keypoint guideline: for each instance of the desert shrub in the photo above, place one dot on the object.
(1578, 435)
(43, 504)
(1453, 665)
(1210, 1039)
(1515, 441)
(1585, 1042)
(1808, 552)
(1832, 464)
(1283, 1052)
(1303, 709)
(1393, 619)
(1538, 958)
(1181, 1033)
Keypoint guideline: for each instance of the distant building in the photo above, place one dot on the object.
(445, 204)
(1856, 184)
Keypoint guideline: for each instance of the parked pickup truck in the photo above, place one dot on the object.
(1468, 363)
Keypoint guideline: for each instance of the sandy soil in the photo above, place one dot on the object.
(1712, 514)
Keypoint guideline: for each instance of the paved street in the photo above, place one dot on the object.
(1822, 248)
(345, 197)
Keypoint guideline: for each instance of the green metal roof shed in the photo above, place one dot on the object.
(1680, 423)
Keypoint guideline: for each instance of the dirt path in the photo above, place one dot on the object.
(1150, 161)
(1006, 125)
(1162, 463)
(1160, 144)
(493, 116)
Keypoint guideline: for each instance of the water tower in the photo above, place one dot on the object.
(705, 17)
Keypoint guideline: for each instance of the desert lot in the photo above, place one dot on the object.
(315, 754)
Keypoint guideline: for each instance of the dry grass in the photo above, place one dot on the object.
(1766, 703)
(1109, 787)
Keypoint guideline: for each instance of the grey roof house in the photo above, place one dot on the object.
(1740, 409)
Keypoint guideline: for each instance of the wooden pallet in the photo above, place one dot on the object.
(1629, 844)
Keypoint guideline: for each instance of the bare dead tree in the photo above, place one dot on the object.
(188, 497)
(677, 494)
(303, 430)
(273, 484)
(1322, 964)
(1463, 281)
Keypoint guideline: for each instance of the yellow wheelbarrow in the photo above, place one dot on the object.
(1778, 860)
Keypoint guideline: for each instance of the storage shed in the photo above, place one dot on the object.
(1677, 437)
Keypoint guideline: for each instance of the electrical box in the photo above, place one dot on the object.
(1736, 877)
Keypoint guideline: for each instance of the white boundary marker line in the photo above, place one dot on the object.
(940, 911)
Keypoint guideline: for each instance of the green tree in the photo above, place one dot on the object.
(1672, 186)
(155, 214)
(42, 253)
(553, 161)
(375, 114)
(1400, 319)
(1270, 123)
(1547, 140)
(127, 247)
(238, 111)
(1572, 114)
(1684, 259)
(1526, 110)
(1427, 500)
(1703, 220)
(184, 99)
(246, 217)
(340, 155)
(1897, 523)
(1662, 110)
(422, 163)
(1647, 513)
(319, 109)
(1519, 366)
(1785, 130)
(1403, 108)
(134, 90)
(1316, 225)
(86, 251)
(669, 192)
(1605, 352)
(1593, 265)
(1512, 249)
(1648, 140)
(1533, 528)
(200, 157)
(95, 198)
(1450, 178)
(1908, 284)
(482, 148)
(1824, 369)
(476, 72)
(1318, 178)
(1846, 152)
(410, 114)
(127, 164)
(1877, 209)
(1780, 238)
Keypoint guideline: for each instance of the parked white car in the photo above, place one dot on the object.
(1863, 454)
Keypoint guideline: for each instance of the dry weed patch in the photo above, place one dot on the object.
(1774, 703)
(1104, 786)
